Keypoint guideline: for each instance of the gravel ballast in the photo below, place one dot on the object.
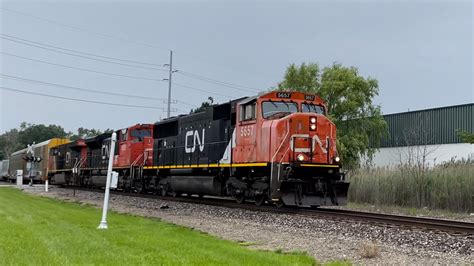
(325, 239)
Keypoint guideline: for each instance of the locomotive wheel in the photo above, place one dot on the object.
(163, 191)
(139, 186)
(279, 203)
(240, 198)
(259, 199)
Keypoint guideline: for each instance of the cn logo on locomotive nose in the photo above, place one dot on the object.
(315, 139)
(196, 140)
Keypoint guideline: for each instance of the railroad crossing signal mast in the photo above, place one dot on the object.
(31, 162)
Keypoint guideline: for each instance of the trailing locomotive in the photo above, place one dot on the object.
(84, 161)
(278, 147)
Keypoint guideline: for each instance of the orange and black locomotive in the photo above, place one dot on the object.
(277, 147)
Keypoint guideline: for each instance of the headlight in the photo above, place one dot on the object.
(312, 127)
(337, 159)
(300, 157)
(312, 120)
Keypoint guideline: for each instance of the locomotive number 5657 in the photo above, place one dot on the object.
(246, 131)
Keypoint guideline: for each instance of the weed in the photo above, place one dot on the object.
(369, 249)
(447, 187)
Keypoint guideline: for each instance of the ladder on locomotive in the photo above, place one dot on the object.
(76, 169)
(137, 166)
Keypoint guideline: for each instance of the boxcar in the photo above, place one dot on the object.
(4, 169)
(38, 171)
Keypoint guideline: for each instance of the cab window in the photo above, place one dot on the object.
(123, 134)
(247, 111)
(140, 133)
(280, 109)
(312, 108)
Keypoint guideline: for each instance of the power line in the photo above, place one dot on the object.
(111, 37)
(83, 29)
(78, 88)
(80, 100)
(221, 83)
(112, 74)
(79, 52)
(197, 89)
(89, 90)
(81, 56)
(81, 69)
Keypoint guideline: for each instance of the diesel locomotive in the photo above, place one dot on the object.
(277, 147)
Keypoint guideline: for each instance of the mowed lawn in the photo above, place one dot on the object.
(36, 230)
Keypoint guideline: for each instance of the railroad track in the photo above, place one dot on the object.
(401, 220)
(451, 226)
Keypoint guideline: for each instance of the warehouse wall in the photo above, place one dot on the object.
(435, 154)
(429, 127)
(432, 132)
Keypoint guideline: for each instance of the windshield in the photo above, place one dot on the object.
(141, 133)
(311, 108)
(275, 108)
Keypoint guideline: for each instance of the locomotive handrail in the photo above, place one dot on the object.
(79, 163)
(276, 152)
(137, 159)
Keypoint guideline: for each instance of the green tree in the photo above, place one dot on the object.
(84, 133)
(349, 98)
(466, 137)
(30, 133)
(17, 139)
(203, 106)
(9, 143)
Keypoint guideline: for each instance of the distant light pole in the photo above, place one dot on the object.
(169, 79)
(103, 222)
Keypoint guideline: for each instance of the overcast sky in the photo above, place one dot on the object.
(421, 52)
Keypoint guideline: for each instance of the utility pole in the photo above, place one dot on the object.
(169, 83)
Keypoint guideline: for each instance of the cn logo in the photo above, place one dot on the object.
(316, 143)
(190, 148)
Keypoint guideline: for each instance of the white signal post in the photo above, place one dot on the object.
(103, 222)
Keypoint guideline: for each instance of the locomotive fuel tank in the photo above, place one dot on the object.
(200, 185)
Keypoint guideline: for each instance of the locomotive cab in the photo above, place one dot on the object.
(291, 132)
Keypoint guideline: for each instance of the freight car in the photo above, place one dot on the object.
(4, 169)
(37, 170)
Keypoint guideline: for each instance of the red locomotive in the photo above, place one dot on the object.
(278, 147)
(84, 162)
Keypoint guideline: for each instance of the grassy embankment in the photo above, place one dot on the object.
(446, 187)
(35, 230)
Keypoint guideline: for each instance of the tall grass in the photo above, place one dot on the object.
(449, 186)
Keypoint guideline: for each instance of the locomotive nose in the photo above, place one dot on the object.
(313, 139)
